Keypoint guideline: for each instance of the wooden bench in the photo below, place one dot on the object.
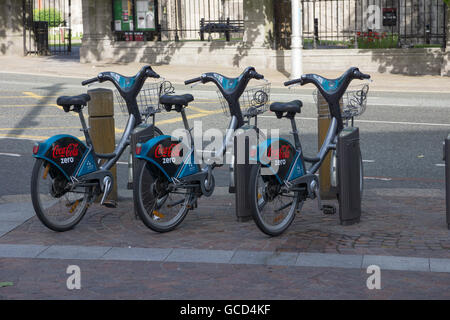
(220, 26)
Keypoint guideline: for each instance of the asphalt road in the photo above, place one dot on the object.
(401, 133)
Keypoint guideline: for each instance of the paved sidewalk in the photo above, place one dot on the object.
(71, 67)
(394, 222)
(210, 255)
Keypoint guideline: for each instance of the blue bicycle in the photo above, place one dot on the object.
(166, 189)
(68, 175)
(280, 182)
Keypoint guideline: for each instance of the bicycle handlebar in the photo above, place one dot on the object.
(359, 75)
(86, 82)
(150, 73)
(257, 75)
(193, 80)
(308, 78)
(293, 81)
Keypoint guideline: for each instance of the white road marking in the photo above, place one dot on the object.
(23, 138)
(376, 178)
(406, 123)
(369, 161)
(10, 154)
(381, 122)
(440, 164)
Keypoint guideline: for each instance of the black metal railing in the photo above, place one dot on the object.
(364, 23)
(47, 27)
(187, 20)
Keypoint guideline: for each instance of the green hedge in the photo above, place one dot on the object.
(52, 16)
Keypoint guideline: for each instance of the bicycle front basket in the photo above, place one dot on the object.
(255, 98)
(354, 101)
(148, 97)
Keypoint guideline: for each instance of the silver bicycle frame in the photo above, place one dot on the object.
(122, 145)
(328, 144)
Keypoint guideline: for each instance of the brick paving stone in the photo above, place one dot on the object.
(401, 224)
(137, 254)
(46, 279)
(330, 260)
(397, 263)
(439, 265)
(195, 255)
(19, 251)
(74, 252)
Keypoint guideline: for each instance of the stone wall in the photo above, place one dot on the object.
(11, 30)
(98, 46)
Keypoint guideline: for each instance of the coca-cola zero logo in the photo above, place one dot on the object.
(166, 152)
(284, 152)
(71, 150)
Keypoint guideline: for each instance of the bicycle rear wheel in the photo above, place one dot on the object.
(58, 207)
(273, 210)
(161, 210)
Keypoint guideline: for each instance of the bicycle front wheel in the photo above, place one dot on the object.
(58, 207)
(161, 210)
(273, 209)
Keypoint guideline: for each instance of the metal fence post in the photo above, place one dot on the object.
(101, 123)
(227, 32)
(202, 30)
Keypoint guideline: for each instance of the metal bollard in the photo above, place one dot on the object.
(447, 177)
(324, 119)
(102, 130)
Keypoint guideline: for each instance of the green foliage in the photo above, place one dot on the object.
(52, 16)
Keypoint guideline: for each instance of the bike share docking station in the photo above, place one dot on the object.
(349, 177)
(340, 175)
(447, 177)
(241, 177)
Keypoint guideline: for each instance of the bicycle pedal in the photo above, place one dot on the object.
(328, 209)
(110, 204)
(107, 181)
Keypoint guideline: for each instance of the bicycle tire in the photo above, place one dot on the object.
(256, 210)
(37, 201)
(148, 214)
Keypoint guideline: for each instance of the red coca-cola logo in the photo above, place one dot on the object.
(71, 150)
(284, 152)
(167, 152)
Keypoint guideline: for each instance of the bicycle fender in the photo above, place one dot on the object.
(279, 157)
(170, 156)
(66, 153)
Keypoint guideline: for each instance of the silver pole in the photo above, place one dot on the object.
(297, 34)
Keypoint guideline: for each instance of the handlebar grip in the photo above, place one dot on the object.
(152, 74)
(365, 76)
(193, 80)
(258, 76)
(291, 82)
(86, 82)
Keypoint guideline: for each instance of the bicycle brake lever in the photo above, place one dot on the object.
(292, 86)
(195, 84)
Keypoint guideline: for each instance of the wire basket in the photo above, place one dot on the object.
(354, 101)
(254, 100)
(148, 98)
